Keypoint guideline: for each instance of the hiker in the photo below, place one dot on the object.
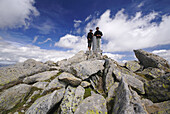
(98, 35)
(90, 39)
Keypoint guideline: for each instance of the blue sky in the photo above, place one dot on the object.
(56, 29)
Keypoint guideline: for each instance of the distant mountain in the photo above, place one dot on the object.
(4, 65)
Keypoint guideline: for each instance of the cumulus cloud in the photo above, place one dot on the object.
(88, 18)
(16, 13)
(77, 23)
(116, 57)
(48, 39)
(12, 52)
(163, 53)
(124, 33)
(72, 42)
(140, 5)
(35, 39)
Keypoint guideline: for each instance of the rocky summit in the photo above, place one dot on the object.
(87, 83)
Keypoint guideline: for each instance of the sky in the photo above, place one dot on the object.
(56, 29)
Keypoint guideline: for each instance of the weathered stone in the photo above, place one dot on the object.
(159, 108)
(40, 76)
(50, 63)
(111, 96)
(130, 77)
(108, 74)
(152, 73)
(132, 65)
(54, 84)
(16, 72)
(40, 85)
(78, 97)
(31, 97)
(85, 84)
(157, 90)
(66, 104)
(79, 57)
(125, 103)
(150, 60)
(95, 104)
(45, 103)
(86, 68)
(13, 96)
(69, 79)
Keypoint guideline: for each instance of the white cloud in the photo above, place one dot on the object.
(16, 13)
(77, 23)
(45, 28)
(163, 53)
(88, 18)
(116, 57)
(125, 34)
(10, 53)
(140, 5)
(35, 39)
(72, 42)
(48, 39)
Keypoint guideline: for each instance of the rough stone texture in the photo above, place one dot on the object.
(16, 72)
(50, 63)
(66, 104)
(108, 73)
(54, 84)
(130, 77)
(69, 79)
(40, 85)
(125, 103)
(86, 68)
(40, 76)
(95, 104)
(159, 108)
(85, 84)
(157, 90)
(152, 73)
(45, 103)
(132, 65)
(79, 57)
(149, 59)
(78, 97)
(12, 96)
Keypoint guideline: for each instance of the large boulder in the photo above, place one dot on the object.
(157, 89)
(87, 68)
(150, 60)
(127, 101)
(69, 79)
(95, 104)
(44, 104)
(71, 100)
(13, 96)
(132, 65)
(17, 72)
(40, 85)
(131, 78)
(40, 77)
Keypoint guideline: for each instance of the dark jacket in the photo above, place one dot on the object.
(98, 33)
(90, 36)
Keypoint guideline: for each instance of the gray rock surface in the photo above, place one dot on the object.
(40, 85)
(132, 65)
(13, 96)
(95, 104)
(150, 60)
(45, 103)
(86, 68)
(120, 72)
(125, 101)
(69, 79)
(158, 90)
(85, 84)
(40, 77)
(54, 84)
(16, 72)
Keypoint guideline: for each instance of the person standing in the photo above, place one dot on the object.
(98, 35)
(90, 39)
